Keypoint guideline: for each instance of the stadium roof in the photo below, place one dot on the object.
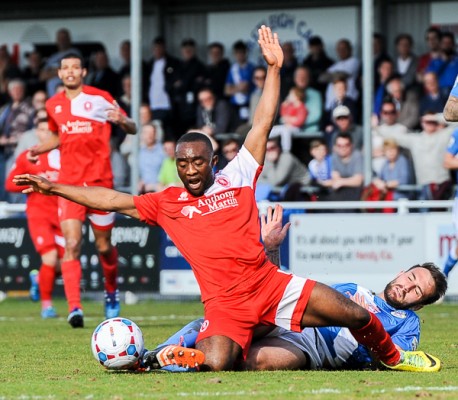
(32, 9)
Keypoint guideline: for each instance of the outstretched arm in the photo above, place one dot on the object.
(273, 233)
(264, 115)
(94, 197)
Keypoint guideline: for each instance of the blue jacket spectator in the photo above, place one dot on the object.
(150, 159)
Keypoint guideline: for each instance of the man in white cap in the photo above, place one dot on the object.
(428, 150)
(343, 123)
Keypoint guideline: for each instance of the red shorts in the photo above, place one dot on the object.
(46, 235)
(271, 297)
(102, 220)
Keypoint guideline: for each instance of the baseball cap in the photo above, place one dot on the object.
(340, 111)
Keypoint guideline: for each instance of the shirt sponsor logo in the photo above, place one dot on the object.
(183, 196)
(219, 201)
(58, 109)
(76, 127)
(188, 211)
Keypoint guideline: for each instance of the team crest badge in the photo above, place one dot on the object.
(399, 314)
(58, 109)
(88, 106)
(204, 325)
(223, 181)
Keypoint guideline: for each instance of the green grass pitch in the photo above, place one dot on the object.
(50, 360)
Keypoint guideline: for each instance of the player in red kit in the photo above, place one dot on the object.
(42, 220)
(214, 223)
(80, 118)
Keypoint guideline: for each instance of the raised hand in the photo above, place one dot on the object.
(35, 183)
(272, 231)
(270, 47)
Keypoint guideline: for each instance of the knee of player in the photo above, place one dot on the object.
(72, 246)
(216, 360)
(217, 364)
(103, 245)
(360, 317)
(253, 363)
(50, 258)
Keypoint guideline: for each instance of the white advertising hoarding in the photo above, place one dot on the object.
(368, 249)
(178, 282)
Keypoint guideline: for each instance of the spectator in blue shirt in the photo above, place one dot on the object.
(150, 158)
(432, 100)
(446, 66)
(239, 82)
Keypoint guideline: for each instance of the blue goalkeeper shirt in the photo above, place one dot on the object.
(335, 347)
(402, 325)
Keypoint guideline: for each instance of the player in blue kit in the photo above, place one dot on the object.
(332, 347)
(451, 162)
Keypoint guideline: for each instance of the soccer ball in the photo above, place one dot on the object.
(117, 343)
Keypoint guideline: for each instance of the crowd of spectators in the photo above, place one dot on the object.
(320, 98)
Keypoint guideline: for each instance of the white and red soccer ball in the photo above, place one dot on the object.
(117, 343)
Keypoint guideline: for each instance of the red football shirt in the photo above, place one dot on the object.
(84, 134)
(47, 166)
(217, 233)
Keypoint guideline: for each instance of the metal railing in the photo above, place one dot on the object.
(402, 206)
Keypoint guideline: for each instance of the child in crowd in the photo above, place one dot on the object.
(293, 115)
(320, 165)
